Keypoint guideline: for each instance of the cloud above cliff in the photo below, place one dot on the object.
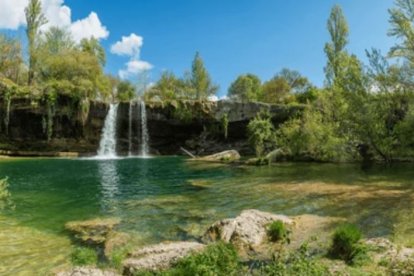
(130, 46)
(57, 13)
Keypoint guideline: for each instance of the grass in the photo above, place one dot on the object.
(84, 256)
(277, 231)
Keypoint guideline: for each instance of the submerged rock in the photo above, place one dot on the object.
(159, 257)
(87, 271)
(93, 231)
(248, 229)
(115, 240)
(225, 156)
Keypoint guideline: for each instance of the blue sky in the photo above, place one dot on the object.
(236, 36)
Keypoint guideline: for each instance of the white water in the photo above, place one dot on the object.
(107, 145)
(144, 131)
(130, 129)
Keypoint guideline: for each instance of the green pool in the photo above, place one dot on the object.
(170, 198)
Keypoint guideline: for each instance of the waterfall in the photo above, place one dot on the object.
(130, 129)
(107, 146)
(144, 131)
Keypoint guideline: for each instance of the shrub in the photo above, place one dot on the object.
(216, 259)
(84, 256)
(277, 231)
(296, 263)
(345, 244)
(261, 133)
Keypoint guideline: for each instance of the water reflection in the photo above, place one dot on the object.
(109, 182)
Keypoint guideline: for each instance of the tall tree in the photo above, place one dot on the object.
(402, 19)
(93, 47)
(339, 32)
(200, 79)
(34, 19)
(246, 88)
(57, 40)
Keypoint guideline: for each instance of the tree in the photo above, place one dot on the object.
(77, 72)
(34, 19)
(277, 91)
(93, 47)
(10, 58)
(339, 32)
(168, 87)
(261, 133)
(200, 79)
(125, 91)
(402, 17)
(246, 88)
(297, 82)
(57, 40)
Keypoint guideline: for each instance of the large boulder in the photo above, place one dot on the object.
(86, 271)
(225, 156)
(246, 230)
(159, 257)
(93, 231)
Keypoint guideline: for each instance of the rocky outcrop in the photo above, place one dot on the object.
(400, 260)
(246, 230)
(33, 128)
(159, 257)
(94, 231)
(87, 271)
(225, 156)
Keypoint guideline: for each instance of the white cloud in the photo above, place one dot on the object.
(12, 13)
(128, 46)
(88, 27)
(12, 17)
(131, 46)
(134, 67)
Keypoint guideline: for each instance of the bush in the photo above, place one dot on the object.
(277, 231)
(345, 244)
(216, 259)
(84, 256)
(261, 133)
(296, 263)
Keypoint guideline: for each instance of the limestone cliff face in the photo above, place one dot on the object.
(35, 128)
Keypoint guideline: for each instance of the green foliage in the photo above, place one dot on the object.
(261, 133)
(11, 59)
(277, 231)
(339, 32)
(84, 256)
(34, 20)
(216, 259)
(56, 41)
(296, 263)
(402, 27)
(168, 88)
(94, 48)
(200, 79)
(126, 91)
(345, 244)
(117, 256)
(246, 88)
(314, 136)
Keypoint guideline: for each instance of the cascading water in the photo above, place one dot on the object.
(107, 145)
(130, 129)
(144, 131)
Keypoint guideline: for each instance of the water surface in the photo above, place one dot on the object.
(170, 198)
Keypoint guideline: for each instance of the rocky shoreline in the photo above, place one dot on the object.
(248, 233)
